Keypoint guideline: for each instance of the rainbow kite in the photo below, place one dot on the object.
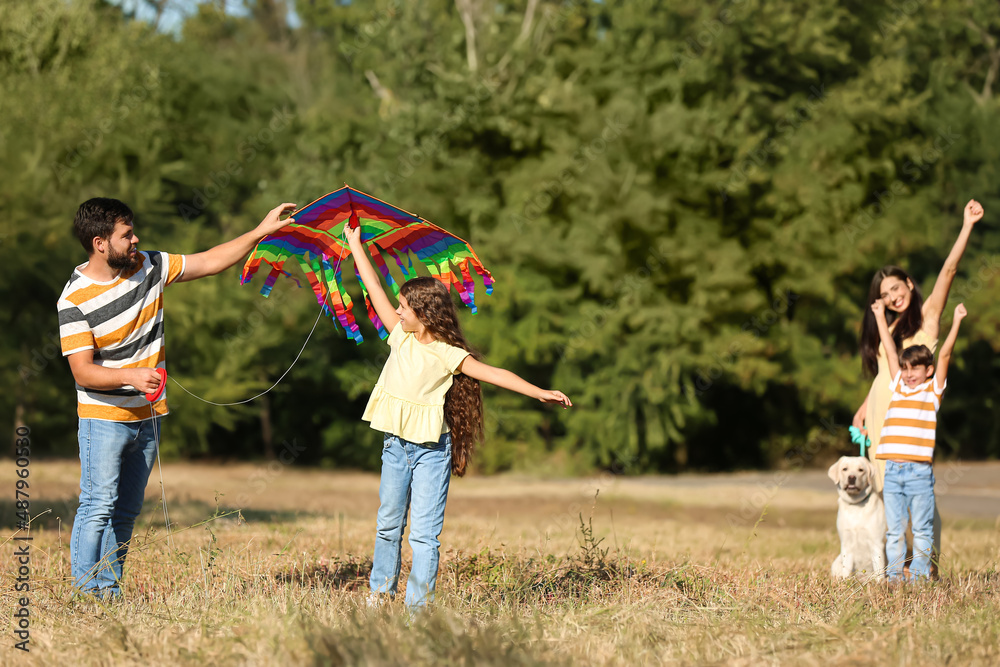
(317, 240)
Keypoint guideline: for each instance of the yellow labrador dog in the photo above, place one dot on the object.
(860, 520)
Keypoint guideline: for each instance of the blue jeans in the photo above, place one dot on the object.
(115, 461)
(909, 490)
(417, 475)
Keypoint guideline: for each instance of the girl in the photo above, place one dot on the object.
(912, 321)
(428, 403)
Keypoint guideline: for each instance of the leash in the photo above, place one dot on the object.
(859, 439)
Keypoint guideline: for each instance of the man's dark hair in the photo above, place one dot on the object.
(916, 355)
(97, 217)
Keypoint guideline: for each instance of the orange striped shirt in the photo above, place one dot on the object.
(910, 426)
(122, 322)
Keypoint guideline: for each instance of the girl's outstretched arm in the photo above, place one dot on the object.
(504, 378)
(373, 283)
(934, 305)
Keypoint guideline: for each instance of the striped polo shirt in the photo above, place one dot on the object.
(908, 432)
(122, 322)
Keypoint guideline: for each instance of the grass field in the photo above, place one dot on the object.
(697, 570)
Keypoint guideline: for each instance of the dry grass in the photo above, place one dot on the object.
(667, 576)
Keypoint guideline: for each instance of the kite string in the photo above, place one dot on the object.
(163, 490)
(301, 350)
(156, 434)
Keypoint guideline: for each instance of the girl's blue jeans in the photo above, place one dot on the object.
(115, 461)
(909, 491)
(414, 477)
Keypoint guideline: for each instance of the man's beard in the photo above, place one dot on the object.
(123, 261)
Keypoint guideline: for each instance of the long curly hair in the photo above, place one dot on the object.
(463, 404)
(909, 324)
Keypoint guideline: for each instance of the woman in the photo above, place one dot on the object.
(912, 321)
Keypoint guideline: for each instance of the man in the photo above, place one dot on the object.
(111, 327)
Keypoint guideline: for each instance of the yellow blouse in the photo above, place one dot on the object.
(408, 399)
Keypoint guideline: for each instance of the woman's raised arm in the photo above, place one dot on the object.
(935, 303)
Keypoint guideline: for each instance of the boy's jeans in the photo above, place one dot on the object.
(909, 489)
(115, 461)
(416, 475)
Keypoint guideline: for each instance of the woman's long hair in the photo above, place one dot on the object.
(463, 404)
(909, 323)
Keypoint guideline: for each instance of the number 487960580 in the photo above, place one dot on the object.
(22, 503)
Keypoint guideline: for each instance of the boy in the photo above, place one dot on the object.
(907, 445)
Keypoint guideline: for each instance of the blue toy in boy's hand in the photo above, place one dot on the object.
(859, 439)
